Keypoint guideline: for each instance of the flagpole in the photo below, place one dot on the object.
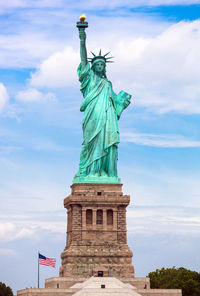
(38, 271)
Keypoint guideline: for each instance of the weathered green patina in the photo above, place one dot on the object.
(102, 109)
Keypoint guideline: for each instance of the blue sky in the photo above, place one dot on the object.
(157, 52)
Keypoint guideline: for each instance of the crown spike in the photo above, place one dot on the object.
(106, 54)
(99, 56)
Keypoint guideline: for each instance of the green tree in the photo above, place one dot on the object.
(5, 290)
(176, 278)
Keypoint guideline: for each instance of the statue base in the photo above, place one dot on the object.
(96, 232)
(97, 179)
(97, 255)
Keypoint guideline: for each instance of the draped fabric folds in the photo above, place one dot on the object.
(102, 109)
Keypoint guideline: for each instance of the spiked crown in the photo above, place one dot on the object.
(100, 57)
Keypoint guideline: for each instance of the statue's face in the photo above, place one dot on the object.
(99, 67)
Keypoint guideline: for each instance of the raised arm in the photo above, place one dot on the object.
(83, 51)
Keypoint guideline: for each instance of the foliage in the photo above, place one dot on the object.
(5, 290)
(176, 278)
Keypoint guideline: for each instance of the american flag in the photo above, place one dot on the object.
(47, 261)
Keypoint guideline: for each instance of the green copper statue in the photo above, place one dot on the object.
(102, 109)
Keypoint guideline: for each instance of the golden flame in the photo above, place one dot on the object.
(82, 17)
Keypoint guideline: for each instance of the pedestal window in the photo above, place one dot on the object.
(99, 217)
(89, 217)
(109, 217)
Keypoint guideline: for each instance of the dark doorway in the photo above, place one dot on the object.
(100, 273)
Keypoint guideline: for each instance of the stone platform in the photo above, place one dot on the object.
(96, 286)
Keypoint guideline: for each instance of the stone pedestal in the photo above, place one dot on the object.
(96, 232)
(96, 246)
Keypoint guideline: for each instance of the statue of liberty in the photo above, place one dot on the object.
(102, 109)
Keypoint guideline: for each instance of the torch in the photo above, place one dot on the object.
(82, 25)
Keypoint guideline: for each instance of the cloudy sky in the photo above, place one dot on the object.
(156, 45)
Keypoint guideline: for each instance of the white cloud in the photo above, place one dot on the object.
(17, 4)
(164, 2)
(6, 228)
(12, 4)
(27, 227)
(57, 227)
(114, 4)
(164, 73)
(170, 141)
(9, 231)
(35, 34)
(161, 72)
(33, 95)
(23, 226)
(22, 49)
(174, 220)
(58, 70)
(3, 96)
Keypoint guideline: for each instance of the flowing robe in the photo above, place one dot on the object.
(102, 109)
